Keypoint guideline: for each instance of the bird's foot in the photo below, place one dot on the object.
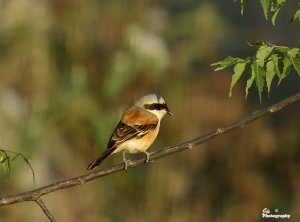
(147, 157)
(125, 161)
(126, 164)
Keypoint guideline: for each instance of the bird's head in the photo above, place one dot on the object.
(155, 104)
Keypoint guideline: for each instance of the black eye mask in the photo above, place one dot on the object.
(155, 106)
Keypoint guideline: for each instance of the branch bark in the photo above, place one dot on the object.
(40, 202)
(36, 194)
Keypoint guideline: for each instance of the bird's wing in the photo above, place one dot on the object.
(124, 132)
(135, 123)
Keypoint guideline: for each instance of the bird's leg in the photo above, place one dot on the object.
(125, 161)
(147, 156)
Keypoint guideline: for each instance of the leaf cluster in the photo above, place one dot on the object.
(272, 8)
(6, 160)
(269, 61)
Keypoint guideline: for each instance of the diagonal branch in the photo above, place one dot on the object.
(40, 202)
(34, 195)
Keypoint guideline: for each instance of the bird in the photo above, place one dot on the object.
(137, 129)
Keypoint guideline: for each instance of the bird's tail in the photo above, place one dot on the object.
(100, 159)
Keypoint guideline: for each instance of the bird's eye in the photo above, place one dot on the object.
(157, 106)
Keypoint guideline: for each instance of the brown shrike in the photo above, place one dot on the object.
(137, 129)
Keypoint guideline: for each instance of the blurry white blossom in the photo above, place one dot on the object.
(148, 46)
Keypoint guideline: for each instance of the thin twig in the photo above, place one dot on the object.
(40, 202)
(35, 194)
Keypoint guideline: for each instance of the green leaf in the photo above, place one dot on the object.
(243, 5)
(6, 160)
(265, 5)
(293, 52)
(296, 64)
(27, 160)
(262, 53)
(3, 155)
(227, 62)
(294, 56)
(296, 15)
(274, 14)
(275, 59)
(275, 8)
(282, 49)
(6, 169)
(250, 81)
(259, 79)
(287, 65)
(238, 70)
(5, 163)
(270, 73)
(257, 74)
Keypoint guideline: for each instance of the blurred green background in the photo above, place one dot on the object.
(68, 69)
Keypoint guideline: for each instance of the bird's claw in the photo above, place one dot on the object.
(126, 164)
(147, 157)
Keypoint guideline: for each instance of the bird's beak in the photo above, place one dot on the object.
(169, 112)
